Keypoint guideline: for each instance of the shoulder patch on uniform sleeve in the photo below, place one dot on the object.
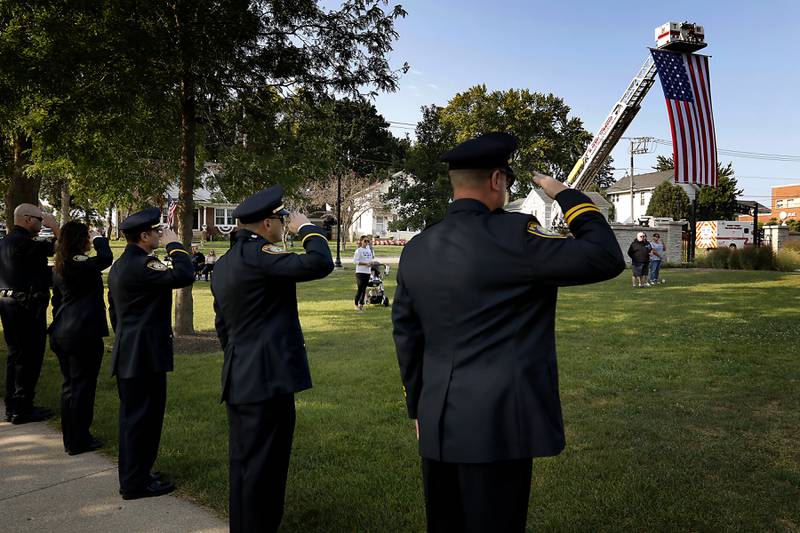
(155, 264)
(80, 257)
(271, 249)
(535, 229)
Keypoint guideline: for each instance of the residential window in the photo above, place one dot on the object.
(779, 204)
(793, 202)
(641, 199)
(223, 217)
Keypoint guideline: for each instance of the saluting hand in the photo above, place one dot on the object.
(295, 221)
(49, 221)
(550, 185)
(168, 235)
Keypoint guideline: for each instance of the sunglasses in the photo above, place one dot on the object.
(37, 218)
(282, 218)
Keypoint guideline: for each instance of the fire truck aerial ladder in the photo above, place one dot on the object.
(679, 37)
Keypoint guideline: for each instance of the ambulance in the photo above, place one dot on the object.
(723, 234)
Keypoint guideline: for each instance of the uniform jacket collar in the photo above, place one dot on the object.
(22, 231)
(467, 204)
(247, 235)
(134, 249)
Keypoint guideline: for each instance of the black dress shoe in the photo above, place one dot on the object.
(154, 488)
(35, 414)
(93, 445)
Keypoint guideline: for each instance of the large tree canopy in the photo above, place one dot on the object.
(550, 141)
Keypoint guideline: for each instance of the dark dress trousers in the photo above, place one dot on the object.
(140, 304)
(265, 364)
(76, 336)
(474, 329)
(25, 281)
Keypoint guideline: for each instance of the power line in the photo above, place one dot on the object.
(743, 153)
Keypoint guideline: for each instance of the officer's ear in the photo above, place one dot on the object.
(496, 181)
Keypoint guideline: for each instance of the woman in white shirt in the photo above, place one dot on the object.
(363, 259)
(211, 259)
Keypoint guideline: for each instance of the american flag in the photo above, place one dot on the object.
(687, 88)
(172, 206)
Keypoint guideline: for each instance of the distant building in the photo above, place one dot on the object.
(373, 216)
(643, 186)
(785, 198)
(540, 205)
(213, 213)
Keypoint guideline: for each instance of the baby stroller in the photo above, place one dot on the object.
(376, 295)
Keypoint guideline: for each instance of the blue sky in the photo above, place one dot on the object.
(587, 52)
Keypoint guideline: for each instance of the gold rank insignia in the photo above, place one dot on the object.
(534, 228)
(271, 249)
(80, 258)
(155, 264)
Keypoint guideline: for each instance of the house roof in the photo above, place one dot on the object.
(207, 190)
(650, 180)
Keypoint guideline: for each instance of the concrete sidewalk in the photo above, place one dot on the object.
(44, 489)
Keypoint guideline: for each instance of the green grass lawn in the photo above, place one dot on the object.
(681, 405)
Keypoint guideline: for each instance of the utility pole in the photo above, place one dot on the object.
(638, 146)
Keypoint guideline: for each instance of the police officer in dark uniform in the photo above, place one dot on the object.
(480, 371)
(25, 281)
(140, 298)
(79, 325)
(265, 356)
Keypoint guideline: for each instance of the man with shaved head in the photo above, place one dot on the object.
(25, 281)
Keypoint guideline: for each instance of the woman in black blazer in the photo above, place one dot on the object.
(79, 325)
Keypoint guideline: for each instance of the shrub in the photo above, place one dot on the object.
(702, 259)
(734, 261)
(719, 257)
(792, 245)
(788, 259)
(761, 258)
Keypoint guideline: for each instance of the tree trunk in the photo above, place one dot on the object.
(21, 189)
(110, 222)
(65, 202)
(184, 305)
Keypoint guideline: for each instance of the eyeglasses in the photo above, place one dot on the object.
(282, 218)
(37, 218)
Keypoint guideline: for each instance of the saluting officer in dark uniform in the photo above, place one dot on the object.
(265, 356)
(480, 371)
(140, 298)
(25, 281)
(79, 325)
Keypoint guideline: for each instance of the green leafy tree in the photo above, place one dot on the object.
(669, 200)
(713, 203)
(206, 53)
(421, 191)
(550, 141)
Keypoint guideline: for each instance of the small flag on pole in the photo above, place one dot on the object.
(172, 206)
(687, 89)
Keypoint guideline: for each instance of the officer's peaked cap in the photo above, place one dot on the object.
(142, 221)
(491, 150)
(261, 205)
